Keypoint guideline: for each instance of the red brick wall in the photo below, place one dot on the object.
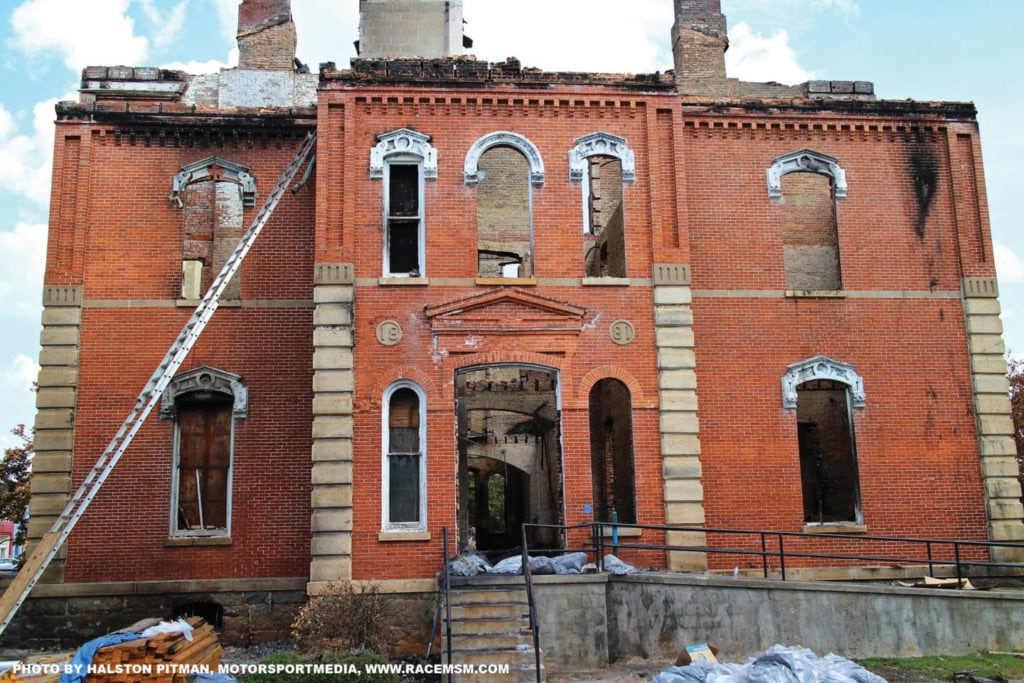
(127, 245)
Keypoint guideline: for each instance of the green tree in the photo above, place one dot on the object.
(1016, 377)
(15, 469)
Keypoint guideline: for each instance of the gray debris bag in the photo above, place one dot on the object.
(468, 565)
(617, 567)
(510, 565)
(569, 564)
(779, 664)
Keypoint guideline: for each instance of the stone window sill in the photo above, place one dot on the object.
(509, 281)
(623, 533)
(403, 281)
(606, 282)
(836, 528)
(816, 293)
(400, 536)
(223, 303)
(189, 541)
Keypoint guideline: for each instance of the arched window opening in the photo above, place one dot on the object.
(828, 463)
(204, 403)
(810, 234)
(504, 214)
(604, 239)
(496, 503)
(611, 452)
(404, 466)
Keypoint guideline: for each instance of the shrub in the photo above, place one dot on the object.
(345, 618)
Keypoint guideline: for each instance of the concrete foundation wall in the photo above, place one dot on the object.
(589, 620)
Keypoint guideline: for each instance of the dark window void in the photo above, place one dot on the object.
(403, 238)
(404, 457)
(604, 243)
(828, 464)
(211, 612)
(204, 462)
(611, 451)
(810, 238)
(503, 214)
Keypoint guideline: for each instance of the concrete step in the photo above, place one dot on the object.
(496, 625)
(487, 641)
(517, 674)
(522, 658)
(488, 595)
(489, 610)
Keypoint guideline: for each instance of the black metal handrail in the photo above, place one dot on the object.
(597, 546)
(528, 580)
(446, 588)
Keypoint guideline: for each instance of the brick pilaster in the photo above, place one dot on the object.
(677, 393)
(992, 408)
(55, 416)
(333, 386)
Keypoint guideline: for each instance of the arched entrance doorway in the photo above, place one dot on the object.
(510, 456)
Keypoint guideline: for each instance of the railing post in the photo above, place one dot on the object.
(782, 558)
(764, 555)
(956, 554)
(447, 603)
(528, 580)
(931, 567)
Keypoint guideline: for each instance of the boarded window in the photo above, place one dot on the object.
(404, 455)
(204, 463)
(828, 466)
(810, 237)
(604, 241)
(404, 220)
(504, 214)
(611, 452)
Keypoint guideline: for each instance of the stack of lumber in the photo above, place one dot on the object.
(145, 660)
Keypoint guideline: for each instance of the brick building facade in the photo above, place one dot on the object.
(692, 301)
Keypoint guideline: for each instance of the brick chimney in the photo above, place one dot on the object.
(699, 42)
(400, 29)
(266, 35)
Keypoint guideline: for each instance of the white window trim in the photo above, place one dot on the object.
(385, 497)
(404, 160)
(822, 367)
(806, 161)
(503, 138)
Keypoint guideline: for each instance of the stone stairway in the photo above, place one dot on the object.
(491, 625)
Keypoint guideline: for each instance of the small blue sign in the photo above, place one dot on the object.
(588, 510)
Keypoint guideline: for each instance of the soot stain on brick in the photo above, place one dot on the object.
(924, 175)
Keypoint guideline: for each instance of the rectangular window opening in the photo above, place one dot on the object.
(404, 221)
(203, 471)
(828, 467)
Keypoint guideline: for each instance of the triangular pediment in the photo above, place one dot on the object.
(506, 310)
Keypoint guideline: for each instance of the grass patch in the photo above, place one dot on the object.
(943, 667)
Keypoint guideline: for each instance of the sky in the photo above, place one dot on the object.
(919, 49)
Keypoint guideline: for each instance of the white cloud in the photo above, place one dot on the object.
(227, 12)
(26, 160)
(168, 25)
(208, 67)
(82, 33)
(1009, 266)
(22, 260)
(754, 57)
(20, 373)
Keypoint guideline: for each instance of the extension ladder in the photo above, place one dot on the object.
(51, 542)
